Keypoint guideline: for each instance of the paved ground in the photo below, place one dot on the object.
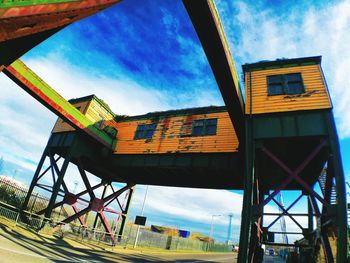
(15, 247)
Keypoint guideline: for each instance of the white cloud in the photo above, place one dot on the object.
(192, 204)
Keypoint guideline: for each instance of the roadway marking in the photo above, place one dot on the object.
(49, 258)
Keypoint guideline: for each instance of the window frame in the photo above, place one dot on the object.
(147, 127)
(285, 89)
(205, 125)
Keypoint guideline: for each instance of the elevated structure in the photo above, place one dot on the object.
(194, 147)
(290, 140)
(283, 138)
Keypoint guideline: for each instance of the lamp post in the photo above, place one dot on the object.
(229, 229)
(143, 207)
(211, 233)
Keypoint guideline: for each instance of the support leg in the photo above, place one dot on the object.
(97, 215)
(57, 187)
(125, 214)
(337, 172)
(244, 238)
(34, 181)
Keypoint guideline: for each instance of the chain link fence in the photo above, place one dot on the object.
(12, 197)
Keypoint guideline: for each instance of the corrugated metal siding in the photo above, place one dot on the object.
(315, 96)
(96, 113)
(173, 134)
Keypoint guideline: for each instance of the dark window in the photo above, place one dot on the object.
(198, 127)
(285, 84)
(204, 127)
(145, 131)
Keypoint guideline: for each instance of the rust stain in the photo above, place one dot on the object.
(165, 128)
(173, 134)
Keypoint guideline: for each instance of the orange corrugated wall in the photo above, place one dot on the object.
(315, 97)
(173, 134)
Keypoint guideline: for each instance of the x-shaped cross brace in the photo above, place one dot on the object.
(293, 174)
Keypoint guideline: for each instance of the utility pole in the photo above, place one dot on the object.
(211, 233)
(142, 209)
(229, 229)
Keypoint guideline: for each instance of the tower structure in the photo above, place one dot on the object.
(291, 144)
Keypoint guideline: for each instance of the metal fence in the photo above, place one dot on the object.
(12, 197)
(14, 194)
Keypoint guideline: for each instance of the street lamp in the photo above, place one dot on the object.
(212, 227)
(143, 207)
(229, 229)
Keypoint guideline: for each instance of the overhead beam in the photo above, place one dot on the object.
(46, 95)
(206, 22)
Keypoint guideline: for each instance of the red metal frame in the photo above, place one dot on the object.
(98, 205)
(294, 174)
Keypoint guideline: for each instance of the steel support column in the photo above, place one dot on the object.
(34, 180)
(57, 185)
(244, 239)
(336, 171)
(124, 215)
(102, 196)
(323, 232)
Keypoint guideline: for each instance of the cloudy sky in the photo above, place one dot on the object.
(141, 56)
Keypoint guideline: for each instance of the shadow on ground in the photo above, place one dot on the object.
(58, 250)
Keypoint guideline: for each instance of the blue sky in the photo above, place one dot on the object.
(142, 56)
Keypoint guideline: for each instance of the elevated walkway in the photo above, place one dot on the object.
(196, 170)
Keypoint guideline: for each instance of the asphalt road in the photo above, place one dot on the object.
(17, 248)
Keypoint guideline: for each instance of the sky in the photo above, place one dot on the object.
(142, 56)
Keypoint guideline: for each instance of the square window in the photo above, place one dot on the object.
(145, 131)
(285, 84)
(204, 127)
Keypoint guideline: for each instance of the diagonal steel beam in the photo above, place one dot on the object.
(47, 169)
(46, 95)
(106, 225)
(85, 180)
(117, 193)
(77, 215)
(52, 162)
(324, 237)
(285, 212)
(291, 174)
(207, 24)
(80, 218)
(287, 209)
(78, 196)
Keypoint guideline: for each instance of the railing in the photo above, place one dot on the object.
(97, 237)
(12, 196)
